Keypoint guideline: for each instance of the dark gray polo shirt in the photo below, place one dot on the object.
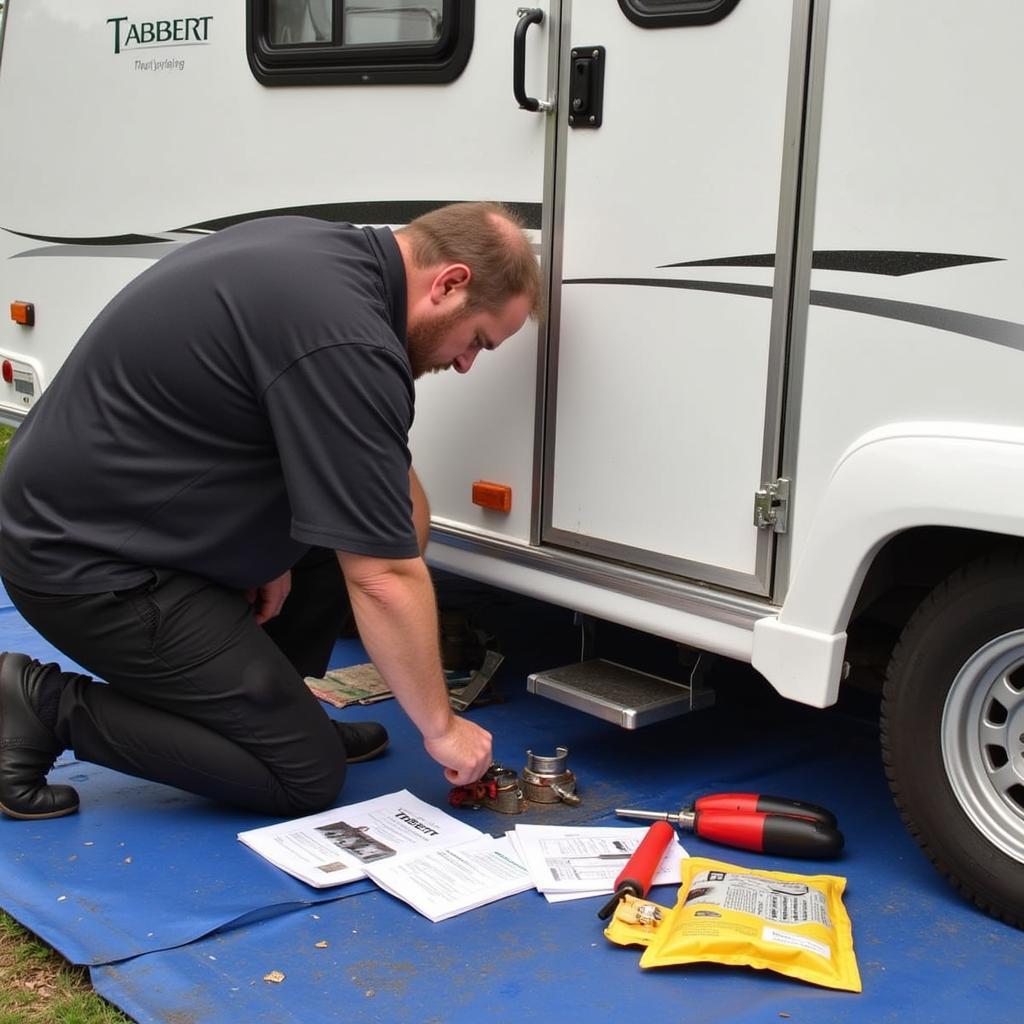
(246, 397)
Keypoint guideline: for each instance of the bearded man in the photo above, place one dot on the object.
(220, 467)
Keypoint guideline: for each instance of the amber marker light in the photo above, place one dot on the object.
(493, 496)
(23, 313)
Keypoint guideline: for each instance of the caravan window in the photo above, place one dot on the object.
(358, 42)
(667, 13)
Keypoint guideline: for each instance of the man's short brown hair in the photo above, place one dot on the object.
(489, 239)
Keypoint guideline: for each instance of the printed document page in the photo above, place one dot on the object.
(441, 883)
(551, 897)
(586, 861)
(338, 846)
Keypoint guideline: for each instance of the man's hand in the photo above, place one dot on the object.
(268, 600)
(464, 751)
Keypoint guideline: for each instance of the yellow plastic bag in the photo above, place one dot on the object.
(635, 922)
(772, 920)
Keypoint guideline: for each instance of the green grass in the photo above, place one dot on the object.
(6, 433)
(37, 985)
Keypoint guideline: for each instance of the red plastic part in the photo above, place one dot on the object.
(743, 803)
(744, 831)
(640, 868)
(783, 835)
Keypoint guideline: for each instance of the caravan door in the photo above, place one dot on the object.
(664, 370)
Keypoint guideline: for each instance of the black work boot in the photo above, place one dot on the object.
(363, 740)
(28, 748)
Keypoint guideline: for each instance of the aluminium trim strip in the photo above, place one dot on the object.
(547, 394)
(786, 276)
(551, 260)
(801, 295)
(732, 609)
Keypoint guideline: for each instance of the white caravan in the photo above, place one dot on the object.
(773, 410)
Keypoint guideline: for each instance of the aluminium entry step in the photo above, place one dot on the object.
(617, 693)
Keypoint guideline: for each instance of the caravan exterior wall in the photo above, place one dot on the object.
(773, 407)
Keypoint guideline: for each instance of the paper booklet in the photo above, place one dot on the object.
(434, 862)
(441, 883)
(338, 846)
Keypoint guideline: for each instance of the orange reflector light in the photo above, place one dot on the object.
(494, 496)
(23, 313)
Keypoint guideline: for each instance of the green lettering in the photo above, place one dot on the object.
(170, 30)
(117, 32)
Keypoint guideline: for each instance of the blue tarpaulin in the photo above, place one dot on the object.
(180, 921)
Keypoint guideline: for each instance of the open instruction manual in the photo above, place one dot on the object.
(434, 862)
(441, 866)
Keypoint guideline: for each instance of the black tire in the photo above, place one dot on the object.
(953, 731)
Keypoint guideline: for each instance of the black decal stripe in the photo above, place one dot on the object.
(143, 251)
(999, 332)
(890, 262)
(339, 213)
(760, 291)
(987, 328)
(99, 240)
(765, 259)
(385, 212)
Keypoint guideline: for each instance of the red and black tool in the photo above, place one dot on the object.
(635, 877)
(751, 821)
(761, 803)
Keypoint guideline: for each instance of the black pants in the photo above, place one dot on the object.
(199, 696)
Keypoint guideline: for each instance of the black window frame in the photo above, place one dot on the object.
(681, 12)
(364, 63)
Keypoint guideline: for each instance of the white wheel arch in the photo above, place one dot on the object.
(892, 479)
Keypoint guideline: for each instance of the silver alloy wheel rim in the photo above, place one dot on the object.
(983, 741)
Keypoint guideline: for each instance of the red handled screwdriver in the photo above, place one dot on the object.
(635, 877)
(786, 835)
(766, 805)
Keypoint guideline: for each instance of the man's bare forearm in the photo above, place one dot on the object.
(395, 610)
(396, 613)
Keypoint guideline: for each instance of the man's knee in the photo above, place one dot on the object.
(269, 685)
(294, 739)
(315, 793)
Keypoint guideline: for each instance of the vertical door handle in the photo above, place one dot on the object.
(527, 16)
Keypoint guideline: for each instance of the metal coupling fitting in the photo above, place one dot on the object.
(546, 780)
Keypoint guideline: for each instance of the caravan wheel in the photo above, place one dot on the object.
(953, 731)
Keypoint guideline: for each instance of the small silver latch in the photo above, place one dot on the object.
(771, 506)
